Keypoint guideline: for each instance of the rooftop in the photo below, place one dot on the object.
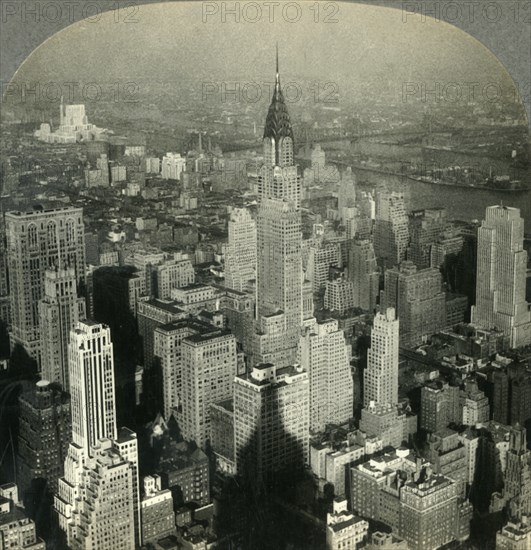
(207, 336)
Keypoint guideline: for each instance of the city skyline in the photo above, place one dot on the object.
(295, 326)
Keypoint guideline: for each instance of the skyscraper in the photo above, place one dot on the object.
(321, 258)
(419, 300)
(380, 415)
(91, 384)
(363, 272)
(167, 350)
(37, 240)
(501, 276)
(271, 421)
(391, 231)
(425, 228)
(44, 435)
(279, 240)
(381, 375)
(103, 516)
(325, 355)
(240, 251)
(346, 193)
(59, 311)
(209, 365)
(5, 307)
(517, 479)
(98, 497)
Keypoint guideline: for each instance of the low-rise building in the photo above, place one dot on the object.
(156, 508)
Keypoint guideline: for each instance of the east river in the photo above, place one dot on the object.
(461, 203)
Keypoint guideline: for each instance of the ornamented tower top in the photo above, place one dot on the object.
(278, 132)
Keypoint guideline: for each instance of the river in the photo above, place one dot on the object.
(461, 203)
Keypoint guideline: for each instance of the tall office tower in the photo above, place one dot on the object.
(209, 365)
(279, 240)
(126, 445)
(240, 251)
(271, 422)
(475, 404)
(419, 301)
(103, 515)
(363, 273)
(325, 355)
(5, 307)
(38, 240)
(44, 434)
(380, 381)
(425, 228)
(97, 500)
(167, 350)
(59, 311)
(511, 394)
(321, 258)
(91, 364)
(117, 290)
(447, 454)
(501, 276)
(318, 161)
(346, 193)
(153, 313)
(391, 229)
(517, 479)
(439, 406)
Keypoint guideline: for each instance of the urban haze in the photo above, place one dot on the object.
(265, 279)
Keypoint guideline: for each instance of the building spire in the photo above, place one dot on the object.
(278, 124)
(277, 78)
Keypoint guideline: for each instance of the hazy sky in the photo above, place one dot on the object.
(171, 41)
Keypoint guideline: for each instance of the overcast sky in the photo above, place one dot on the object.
(173, 41)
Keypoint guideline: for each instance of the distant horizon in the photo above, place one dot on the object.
(368, 45)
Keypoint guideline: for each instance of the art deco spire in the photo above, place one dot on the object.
(278, 124)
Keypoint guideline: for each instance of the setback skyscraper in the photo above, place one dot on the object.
(419, 301)
(44, 435)
(36, 241)
(279, 242)
(59, 311)
(391, 229)
(98, 497)
(240, 251)
(381, 374)
(325, 355)
(363, 272)
(501, 276)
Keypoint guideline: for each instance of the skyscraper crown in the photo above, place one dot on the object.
(278, 123)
